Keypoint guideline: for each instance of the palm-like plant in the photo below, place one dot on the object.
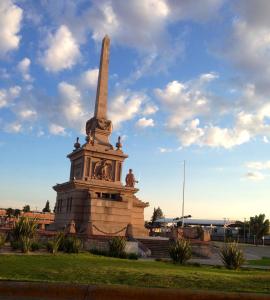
(24, 232)
(55, 244)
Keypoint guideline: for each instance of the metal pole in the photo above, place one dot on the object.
(244, 230)
(183, 200)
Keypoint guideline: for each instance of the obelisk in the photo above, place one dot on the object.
(99, 127)
(102, 87)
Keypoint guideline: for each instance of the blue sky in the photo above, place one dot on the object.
(189, 80)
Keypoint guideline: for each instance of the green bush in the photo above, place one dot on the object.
(180, 251)
(36, 246)
(132, 256)
(99, 252)
(56, 243)
(25, 244)
(117, 247)
(3, 238)
(23, 234)
(72, 244)
(15, 245)
(24, 227)
(231, 256)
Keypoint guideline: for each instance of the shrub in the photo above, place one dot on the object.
(180, 251)
(24, 227)
(54, 244)
(23, 233)
(36, 246)
(99, 252)
(72, 244)
(231, 256)
(3, 238)
(132, 256)
(117, 247)
(15, 245)
(25, 244)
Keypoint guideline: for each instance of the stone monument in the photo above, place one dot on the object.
(94, 199)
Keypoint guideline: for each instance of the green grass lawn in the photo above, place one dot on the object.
(265, 261)
(91, 269)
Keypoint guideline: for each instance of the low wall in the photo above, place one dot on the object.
(103, 245)
(11, 290)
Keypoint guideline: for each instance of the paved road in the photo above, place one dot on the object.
(250, 252)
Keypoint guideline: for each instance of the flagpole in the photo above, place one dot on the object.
(183, 199)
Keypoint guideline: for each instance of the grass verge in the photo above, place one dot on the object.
(265, 261)
(91, 269)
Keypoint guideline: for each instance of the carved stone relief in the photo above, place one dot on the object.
(103, 170)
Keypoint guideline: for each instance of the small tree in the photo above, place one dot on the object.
(17, 212)
(26, 208)
(47, 207)
(157, 214)
(10, 212)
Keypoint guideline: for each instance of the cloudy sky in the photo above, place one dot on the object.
(189, 80)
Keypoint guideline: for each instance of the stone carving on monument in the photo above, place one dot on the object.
(94, 198)
(103, 170)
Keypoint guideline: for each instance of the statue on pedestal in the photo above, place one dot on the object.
(130, 179)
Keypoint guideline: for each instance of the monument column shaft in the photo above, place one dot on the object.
(102, 87)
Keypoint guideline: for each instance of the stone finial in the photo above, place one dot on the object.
(71, 228)
(119, 144)
(77, 145)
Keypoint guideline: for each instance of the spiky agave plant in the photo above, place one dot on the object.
(117, 246)
(232, 256)
(180, 251)
(56, 243)
(23, 233)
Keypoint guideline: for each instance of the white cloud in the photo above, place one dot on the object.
(56, 129)
(71, 104)
(258, 165)
(185, 100)
(63, 51)
(164, 150)
(23, 67)
(143, 122)
(10, 24)
(8, 95)
(89, 78)
(14, 127)
(254, 176)
(150, 109)
(27, 114)
(265, 140)
(125, 106)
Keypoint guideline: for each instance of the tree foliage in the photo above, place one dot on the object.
(259, 226)
(157, 214)
(26, 208)
(47, 207)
